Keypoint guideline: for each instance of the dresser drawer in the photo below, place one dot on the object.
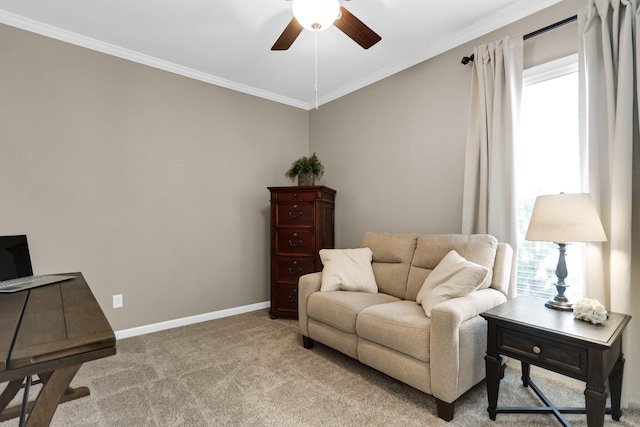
(295, 214)
(290, 270)
(295, 243)
(553, 355)
(296, 196)
(287, 297)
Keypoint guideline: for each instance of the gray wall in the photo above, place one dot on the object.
(151, 184)
(395, 149)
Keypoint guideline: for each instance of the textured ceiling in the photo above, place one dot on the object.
(228, 43)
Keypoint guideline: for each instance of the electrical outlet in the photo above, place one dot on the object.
(117, 301)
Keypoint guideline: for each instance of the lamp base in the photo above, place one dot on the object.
(559, 305)
(560, 302)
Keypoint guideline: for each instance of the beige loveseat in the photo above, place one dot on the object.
(442, 355)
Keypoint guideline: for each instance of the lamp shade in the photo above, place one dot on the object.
(564, 218)
(316, 15)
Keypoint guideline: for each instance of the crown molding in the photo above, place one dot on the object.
(508, 16)
(472, 32)
(130, 55)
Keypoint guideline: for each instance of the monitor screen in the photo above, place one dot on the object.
(15, 260)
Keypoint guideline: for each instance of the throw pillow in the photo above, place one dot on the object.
(348, 270)
(453, 277)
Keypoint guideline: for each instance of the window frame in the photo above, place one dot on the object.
(531, 76)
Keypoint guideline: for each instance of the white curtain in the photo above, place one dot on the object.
(489, 203)
(608, 59)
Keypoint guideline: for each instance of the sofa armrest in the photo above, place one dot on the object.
(456, 359)
(307, 284)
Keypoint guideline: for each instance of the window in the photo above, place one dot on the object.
(547, 162)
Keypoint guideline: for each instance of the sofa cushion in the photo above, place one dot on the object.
(401, 326)
(453, 277)
(392, 255)
(347, 269)
(340, 308)
(431, 248)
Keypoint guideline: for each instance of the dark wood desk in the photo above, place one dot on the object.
(525, 329)
(49, 332)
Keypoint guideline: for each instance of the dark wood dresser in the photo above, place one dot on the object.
(302, 223)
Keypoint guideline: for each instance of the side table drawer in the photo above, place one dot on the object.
(545, 353)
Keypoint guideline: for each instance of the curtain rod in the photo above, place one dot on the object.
(532, 34)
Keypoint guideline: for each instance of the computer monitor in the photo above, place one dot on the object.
(15, 260)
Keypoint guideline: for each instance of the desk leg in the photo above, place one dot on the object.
(48, 398)
(9, 392)
(615, 386)
(494, 369)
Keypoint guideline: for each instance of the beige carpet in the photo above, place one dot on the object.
(248, 370)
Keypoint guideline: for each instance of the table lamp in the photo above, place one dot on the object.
(563, 218)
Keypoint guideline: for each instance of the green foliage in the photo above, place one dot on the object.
(306, 165)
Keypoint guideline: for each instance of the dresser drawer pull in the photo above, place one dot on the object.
(294, 245)
(536, 349)
(294, 216)
(295, 273)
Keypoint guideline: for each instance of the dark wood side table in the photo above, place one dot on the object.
(525, 329)
(49, 332)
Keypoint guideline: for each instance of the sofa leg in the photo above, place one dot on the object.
(445, 410)
(307, 342)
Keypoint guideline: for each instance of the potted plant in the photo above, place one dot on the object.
(307, 169)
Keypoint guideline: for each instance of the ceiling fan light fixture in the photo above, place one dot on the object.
(316, 15)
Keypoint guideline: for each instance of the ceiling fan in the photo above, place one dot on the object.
(309, 14)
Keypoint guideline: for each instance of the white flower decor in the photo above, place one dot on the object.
(590, 310)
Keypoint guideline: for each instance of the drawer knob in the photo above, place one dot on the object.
(293, 272)
(536, 349)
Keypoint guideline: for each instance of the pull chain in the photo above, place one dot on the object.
(316, 69)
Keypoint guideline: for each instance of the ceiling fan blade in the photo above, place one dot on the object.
(356, 29)
(288, 36)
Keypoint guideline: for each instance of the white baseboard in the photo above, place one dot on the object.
(170, 324)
